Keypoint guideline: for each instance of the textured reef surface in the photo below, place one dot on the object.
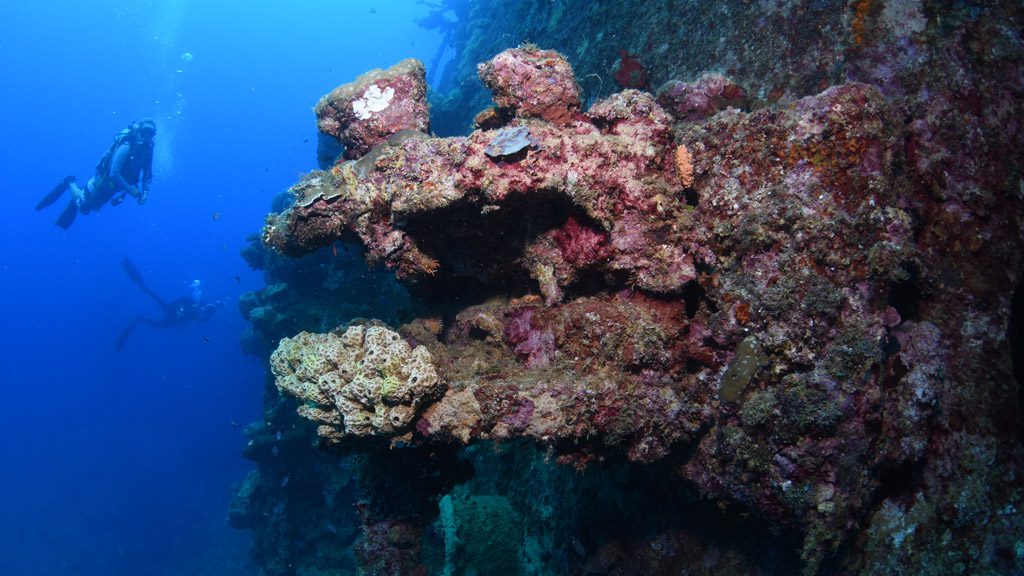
(763, 319)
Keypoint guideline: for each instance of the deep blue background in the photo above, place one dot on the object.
(121, 463)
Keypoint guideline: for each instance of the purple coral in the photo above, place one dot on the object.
(536, 346)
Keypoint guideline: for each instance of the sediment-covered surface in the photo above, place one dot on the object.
(717, 327)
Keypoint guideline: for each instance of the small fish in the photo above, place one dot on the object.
(277, 436)
(216, 216)
(334, 249)
(234, 424)
(238, 279)
(284, 481)
(275, 451)
(206, 338)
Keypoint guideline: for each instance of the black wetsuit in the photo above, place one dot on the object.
(129, 165)
(179, 311)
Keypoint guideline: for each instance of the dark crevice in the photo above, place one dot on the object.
(691, 196)
(481, 252)
(593, 281)
(652, 500)
(899, 483)
(487, 245)
(446, 295)
(410, 479)
(889, 345)
(478, 253)
(905, 295)
(693, 295)
(693, 366)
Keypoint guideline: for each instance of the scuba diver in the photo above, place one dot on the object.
(127, 163)
(178, 312)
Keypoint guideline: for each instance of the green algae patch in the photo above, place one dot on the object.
(759, 409)
(749, 357)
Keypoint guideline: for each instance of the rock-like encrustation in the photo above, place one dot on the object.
(809, 310)
(364, 112)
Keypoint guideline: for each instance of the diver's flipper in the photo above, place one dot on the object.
(123, 336)
(136, 277)
(67, 217)
(132, 272)
(55, 194)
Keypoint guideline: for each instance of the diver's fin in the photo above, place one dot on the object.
(55, 194)
(123, 336)
(67, 217)
(136, 277)
(132, 272)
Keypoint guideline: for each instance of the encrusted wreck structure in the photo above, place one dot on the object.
(706, 328)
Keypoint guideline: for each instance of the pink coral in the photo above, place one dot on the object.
(579, 244)
(534, 83)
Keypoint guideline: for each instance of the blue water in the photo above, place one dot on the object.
(122, 463)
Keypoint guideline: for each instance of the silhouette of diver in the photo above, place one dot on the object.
(179, 311)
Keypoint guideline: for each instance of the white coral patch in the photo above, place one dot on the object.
(373, 100)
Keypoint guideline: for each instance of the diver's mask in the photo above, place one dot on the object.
(145, 133)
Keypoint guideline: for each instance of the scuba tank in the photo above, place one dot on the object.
(103, 165)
